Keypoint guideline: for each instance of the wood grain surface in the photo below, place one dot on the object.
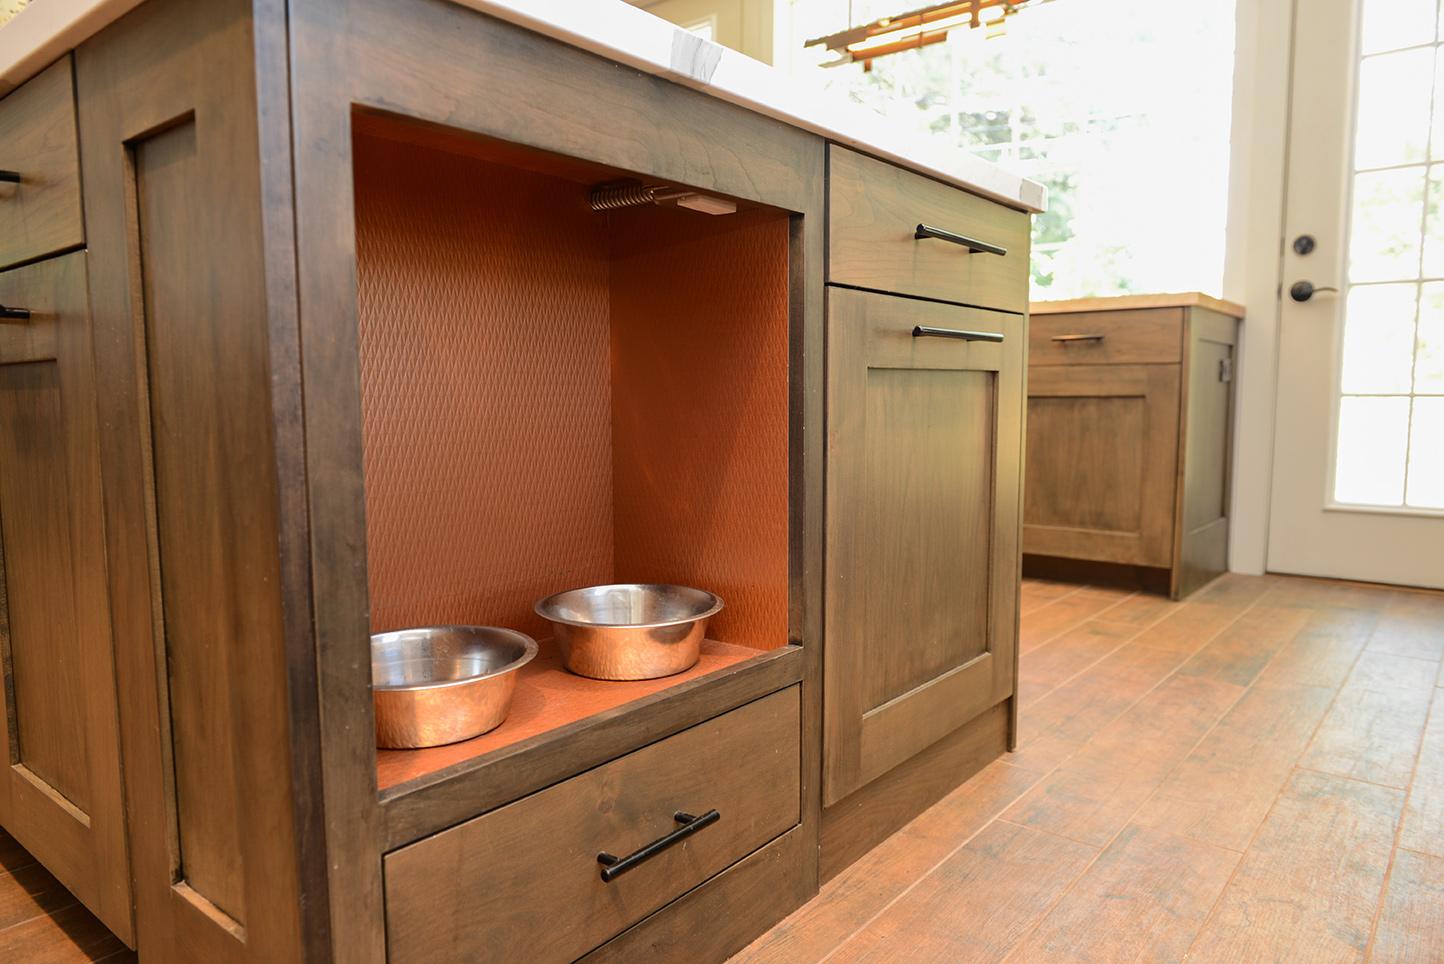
(1170, 806)
(41, 214)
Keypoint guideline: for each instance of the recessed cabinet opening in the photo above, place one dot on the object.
(556, 397)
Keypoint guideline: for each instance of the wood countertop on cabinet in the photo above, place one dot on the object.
(1184, 299)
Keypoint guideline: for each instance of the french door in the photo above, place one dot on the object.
(1358, 481)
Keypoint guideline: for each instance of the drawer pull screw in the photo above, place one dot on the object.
(614, 866)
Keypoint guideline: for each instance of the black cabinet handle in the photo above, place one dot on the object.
(10, 177)
(926, 331)
(614, 866)
(973, 245)
(1070, 338)
(14, 314)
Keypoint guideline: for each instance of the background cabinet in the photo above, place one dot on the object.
(922, 491)
(1129, 423)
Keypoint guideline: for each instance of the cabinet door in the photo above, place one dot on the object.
(60, 792)
(1102, 463)
(923, 447)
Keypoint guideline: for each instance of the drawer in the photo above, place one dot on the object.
(1138, 337)
(874, 213)
(524, 883)
(40, 214)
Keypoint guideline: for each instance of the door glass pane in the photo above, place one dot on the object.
(1391, 24)
(1426, 454)
(1437, 133)
(1429, 351)
(1373, 442)
(1384, 239)
(1434, 223)
(1395, 91)
(1379, 339)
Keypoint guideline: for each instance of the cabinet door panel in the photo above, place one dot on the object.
(60, 792)
(1102, 463)
(923, 459)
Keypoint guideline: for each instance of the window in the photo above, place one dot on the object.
(1391, 380)
(1121, 107)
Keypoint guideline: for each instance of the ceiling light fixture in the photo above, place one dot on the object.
(909, 31)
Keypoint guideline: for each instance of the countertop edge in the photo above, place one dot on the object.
(1182, 299)
(43, 32)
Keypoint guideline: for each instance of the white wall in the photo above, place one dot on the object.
(1252, 262)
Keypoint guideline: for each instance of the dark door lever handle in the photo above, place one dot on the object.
(1304, 290)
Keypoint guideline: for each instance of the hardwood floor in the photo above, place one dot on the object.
(1255, 774)
(41, 922)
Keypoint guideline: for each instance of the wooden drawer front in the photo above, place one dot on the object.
(874, 210)
(1153, 336)
(523, 882)
(41, 214)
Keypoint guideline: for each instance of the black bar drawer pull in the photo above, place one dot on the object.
(973, 245)
(926, 331)
(9, 177)
(14, 314)
(614, 866)
(1072, 338)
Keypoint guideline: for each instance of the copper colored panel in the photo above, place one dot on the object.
(548, 697)
(482, 296)
(554, 398)
(699, 414)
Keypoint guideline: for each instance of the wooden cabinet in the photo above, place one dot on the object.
(1129, 414)
(365, 354)
(60, 786)
(922, 551)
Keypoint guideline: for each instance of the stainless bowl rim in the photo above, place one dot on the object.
(529, 651)
(544, 613)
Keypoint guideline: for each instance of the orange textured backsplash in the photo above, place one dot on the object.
(555, 398)
(699, 418)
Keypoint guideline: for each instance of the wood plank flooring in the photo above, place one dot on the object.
(1255, 774)
(41, 923)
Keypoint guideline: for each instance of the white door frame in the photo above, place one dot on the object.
(1252, 262)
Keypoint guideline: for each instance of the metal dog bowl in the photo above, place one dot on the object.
(631, 630)
(443, 684)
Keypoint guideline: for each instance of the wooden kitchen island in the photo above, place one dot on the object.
(314, 329)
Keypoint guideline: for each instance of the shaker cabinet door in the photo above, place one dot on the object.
(923, 447)
(60, 790)
(1102, 463)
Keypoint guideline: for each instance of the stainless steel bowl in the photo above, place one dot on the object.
(631, 630)
(442, 684)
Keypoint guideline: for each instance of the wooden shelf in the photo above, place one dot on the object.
(548, 698)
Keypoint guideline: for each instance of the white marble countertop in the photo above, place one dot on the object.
(623, 33)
